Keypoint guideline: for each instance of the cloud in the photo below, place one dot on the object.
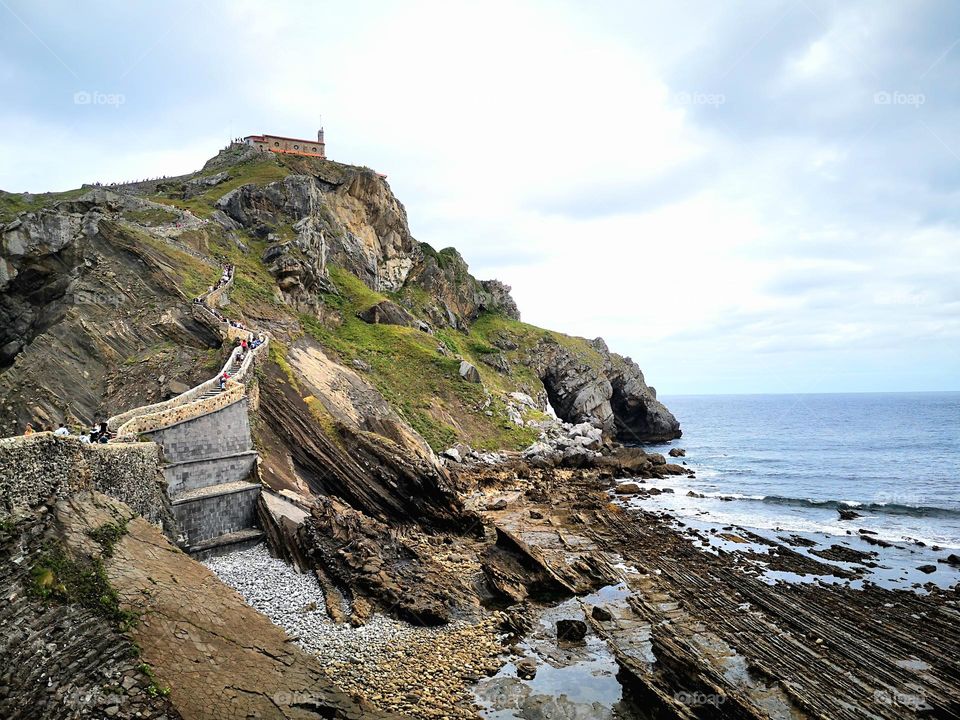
(756, 196)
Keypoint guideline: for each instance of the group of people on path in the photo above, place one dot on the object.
(248, 344)
(99, 433)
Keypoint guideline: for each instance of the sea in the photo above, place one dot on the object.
(786, 463)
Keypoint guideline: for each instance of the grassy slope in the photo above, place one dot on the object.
(13, 203)
(420, 382)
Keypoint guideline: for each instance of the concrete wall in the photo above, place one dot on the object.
(211, 516)
(42, 466)
(186, 477)
(223, 432)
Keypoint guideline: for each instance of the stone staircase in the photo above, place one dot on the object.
(209, 458)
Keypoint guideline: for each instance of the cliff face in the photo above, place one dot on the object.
(103, 617)
(96, 319)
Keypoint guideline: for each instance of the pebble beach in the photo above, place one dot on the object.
(415, 671)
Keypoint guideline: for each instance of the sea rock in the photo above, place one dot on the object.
(927, 569)
(952, 559)
(526, 668)
(571, 630)
(846, 514)
(469, 373)
(601, 613)
(628, 488)
(677, 452)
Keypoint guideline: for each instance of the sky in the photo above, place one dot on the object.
(742, 197)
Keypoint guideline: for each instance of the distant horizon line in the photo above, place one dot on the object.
(844, 392)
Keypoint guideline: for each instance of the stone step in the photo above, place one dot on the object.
(213, 491)
(240, 540)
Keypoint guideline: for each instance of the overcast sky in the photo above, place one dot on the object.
(744, 197)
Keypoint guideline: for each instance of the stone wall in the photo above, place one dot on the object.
(226, 431)
(209, 461)
(189, 476)
(210, 516)
(42, 466)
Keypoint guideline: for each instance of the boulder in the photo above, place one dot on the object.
(174, 388)
(601, 614)
(452, 454)
(677, 452)
(846, 514)
(952, 559)
(571, 630)
(927, 569)
(469, 373)
(386, 312)
(526, 668)
(628, 488)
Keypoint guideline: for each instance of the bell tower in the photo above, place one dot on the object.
(323, 151)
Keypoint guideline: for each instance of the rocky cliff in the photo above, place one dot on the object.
(390, 350)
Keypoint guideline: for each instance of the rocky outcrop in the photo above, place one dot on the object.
(388, 472)
(365, 557)
(90, 315)
(38, 266)
(457, 298)
(346, 214)
(389, 313)
(607, 390)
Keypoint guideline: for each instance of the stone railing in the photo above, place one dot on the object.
(212, 298)
(154, 421)
(190, 404)
(191, 395)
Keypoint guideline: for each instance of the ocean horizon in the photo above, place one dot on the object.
(788, 463)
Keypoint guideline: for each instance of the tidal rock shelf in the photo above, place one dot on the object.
(416, 671)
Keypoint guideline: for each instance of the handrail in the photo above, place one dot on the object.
(191, 403)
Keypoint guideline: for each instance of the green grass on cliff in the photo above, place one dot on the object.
(258, 171)
(61, 577)
(421, 383)
(11, 204)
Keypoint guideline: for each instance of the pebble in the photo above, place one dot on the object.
(385, 660)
